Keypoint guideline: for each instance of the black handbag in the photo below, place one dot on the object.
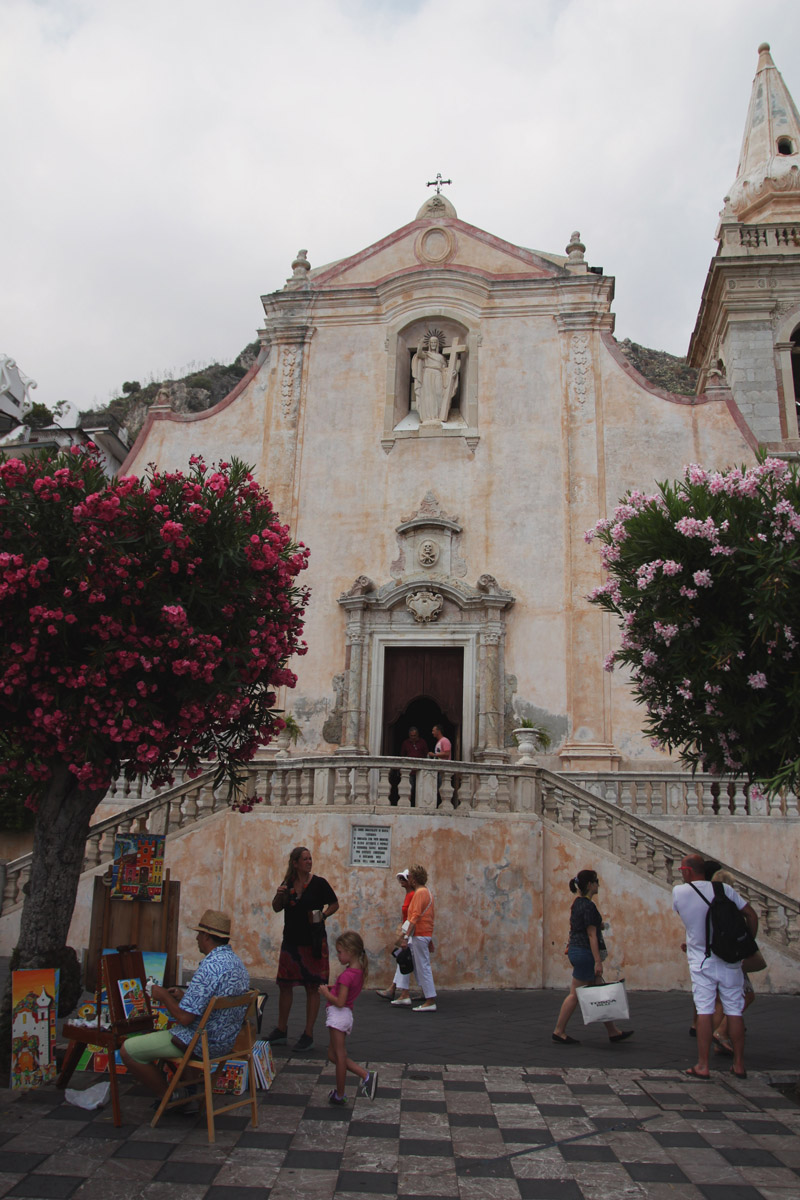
(404, 960)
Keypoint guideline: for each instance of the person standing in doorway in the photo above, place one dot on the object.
(444, 747)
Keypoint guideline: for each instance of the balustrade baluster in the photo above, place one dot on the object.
(566, 810)
(446, 794)
(611, 792)
(503, 795)
(602, 831)
(91, 854)
(279, 787)
(792, 807)
(341, 788)
(307, 785)
(793, 928)
(404, 788)
(660, 860)
(483, 795)
(775, 920)
(585, 821)
(191, 805)
(772, 804)
(549, 801)
(625, 797)
(384, 787)
(361, 786)
(739, 798)
(294, 786)
(11, 889)
(695, 798)
(658, 798)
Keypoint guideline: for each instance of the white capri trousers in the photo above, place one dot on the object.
(421, 953)
(401, 981)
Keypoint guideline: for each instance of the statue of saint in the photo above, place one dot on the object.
(435, 379)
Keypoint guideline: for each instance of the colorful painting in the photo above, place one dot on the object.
(34, 1001)
(134, 1001)
(230, 1079)
(137, 871)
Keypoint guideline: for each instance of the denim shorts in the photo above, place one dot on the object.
(582, 960)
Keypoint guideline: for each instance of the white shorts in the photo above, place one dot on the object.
(715, 975)
(339, 1018)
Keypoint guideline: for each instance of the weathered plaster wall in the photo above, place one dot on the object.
(501, 884)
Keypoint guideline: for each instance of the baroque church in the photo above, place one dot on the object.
(442, 415)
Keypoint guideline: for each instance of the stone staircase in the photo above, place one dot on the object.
(603, 811)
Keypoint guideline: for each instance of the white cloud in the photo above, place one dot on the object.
(165, 159)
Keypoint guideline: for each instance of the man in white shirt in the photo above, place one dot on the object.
(709, 973)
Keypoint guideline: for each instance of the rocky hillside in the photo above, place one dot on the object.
(664, 370)
(202, 389)
(194, 393)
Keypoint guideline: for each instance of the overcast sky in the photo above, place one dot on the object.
(165, 159)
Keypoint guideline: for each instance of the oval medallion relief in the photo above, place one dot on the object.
(435, 245)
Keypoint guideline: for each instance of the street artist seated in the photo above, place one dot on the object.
(221, 973)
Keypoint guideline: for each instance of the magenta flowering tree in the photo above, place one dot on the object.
(144, 625)
(705, 578)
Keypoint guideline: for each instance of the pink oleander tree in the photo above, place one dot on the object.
(705, 578)
(144, 624)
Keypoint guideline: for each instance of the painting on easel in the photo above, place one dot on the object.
(138, 867)
(34, 1000)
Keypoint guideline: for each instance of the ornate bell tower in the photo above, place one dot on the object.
(748, 328)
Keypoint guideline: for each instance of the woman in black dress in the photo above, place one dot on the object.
(305, 900)
(586, 951)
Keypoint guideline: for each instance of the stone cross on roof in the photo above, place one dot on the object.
(438, 183)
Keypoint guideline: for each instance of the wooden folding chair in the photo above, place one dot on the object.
(242, 1049)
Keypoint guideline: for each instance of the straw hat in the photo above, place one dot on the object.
(218, 924)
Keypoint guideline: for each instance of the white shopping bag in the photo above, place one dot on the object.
(603, 1002)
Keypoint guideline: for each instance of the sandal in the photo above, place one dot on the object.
(721, 1046)
(690, 1071)
(385, 993)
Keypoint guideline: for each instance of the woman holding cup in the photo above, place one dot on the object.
(306, 901)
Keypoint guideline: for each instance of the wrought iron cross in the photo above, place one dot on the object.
(438, 182)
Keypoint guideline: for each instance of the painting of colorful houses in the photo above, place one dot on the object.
(34, 999)
(138, 867)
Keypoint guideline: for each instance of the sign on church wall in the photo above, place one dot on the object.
(370, 845)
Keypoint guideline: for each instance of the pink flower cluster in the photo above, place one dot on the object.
(144, 622)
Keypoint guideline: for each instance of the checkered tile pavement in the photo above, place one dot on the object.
(473, 1132)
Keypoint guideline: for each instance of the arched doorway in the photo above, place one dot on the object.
(423, 686)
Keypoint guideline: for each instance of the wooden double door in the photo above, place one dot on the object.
(422, 686)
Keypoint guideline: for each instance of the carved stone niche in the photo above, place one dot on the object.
(402, 415)
(429, 543)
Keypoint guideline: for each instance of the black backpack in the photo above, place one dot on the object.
(727, 934)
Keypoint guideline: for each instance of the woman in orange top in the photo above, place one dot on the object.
(419, 932)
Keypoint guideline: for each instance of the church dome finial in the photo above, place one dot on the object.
(767, 184)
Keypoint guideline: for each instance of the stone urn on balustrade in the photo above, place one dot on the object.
(530, 739)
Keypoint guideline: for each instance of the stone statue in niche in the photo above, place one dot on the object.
(435, 369)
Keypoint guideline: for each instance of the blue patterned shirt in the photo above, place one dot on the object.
(221, 973)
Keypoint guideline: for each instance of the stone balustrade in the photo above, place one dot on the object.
(607, 811)
(684, 795)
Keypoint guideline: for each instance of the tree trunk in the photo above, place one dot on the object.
(59, 842)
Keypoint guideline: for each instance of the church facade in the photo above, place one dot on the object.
(442, 416)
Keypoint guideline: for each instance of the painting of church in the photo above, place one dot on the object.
(34, 999)
(138, 867)
(442, 415)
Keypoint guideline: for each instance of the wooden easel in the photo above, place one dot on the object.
(140, 923)
(127, 963)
